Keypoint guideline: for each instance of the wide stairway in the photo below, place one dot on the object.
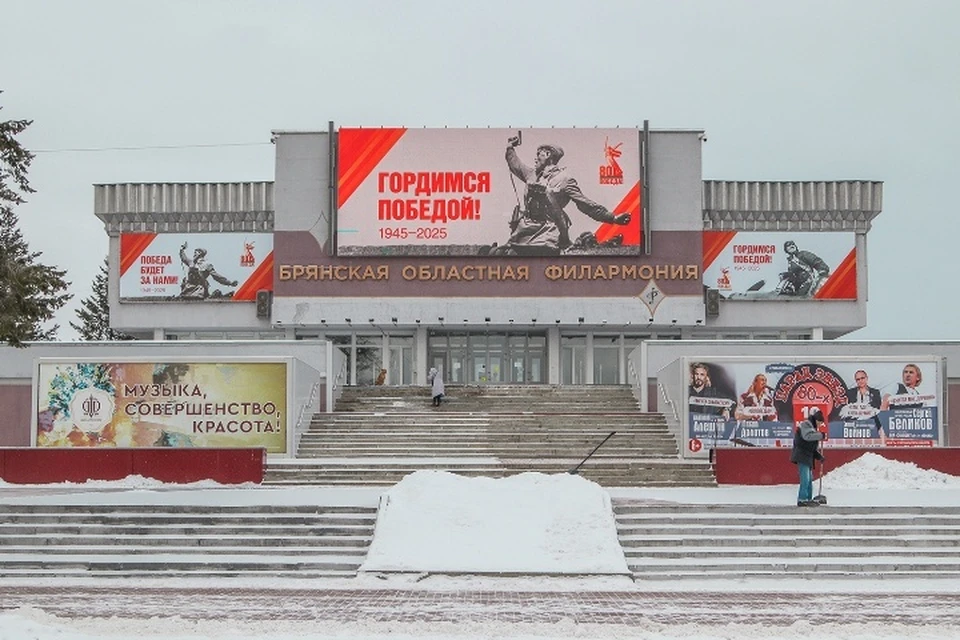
(664, 541)
(660, 541)
(377, 435)
(122, 540)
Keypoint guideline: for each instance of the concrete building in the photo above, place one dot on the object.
(401, 248)
(573, 319)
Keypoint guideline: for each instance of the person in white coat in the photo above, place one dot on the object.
(435, 378)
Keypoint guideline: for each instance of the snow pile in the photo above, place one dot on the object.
(135, 482)
(873, 471)
(435, 521)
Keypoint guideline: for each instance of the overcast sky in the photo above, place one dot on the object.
(786, 90)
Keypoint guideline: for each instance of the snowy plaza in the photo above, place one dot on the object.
(440, 543)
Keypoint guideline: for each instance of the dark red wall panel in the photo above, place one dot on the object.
(42, 466)
(773, 466)
(227, 466)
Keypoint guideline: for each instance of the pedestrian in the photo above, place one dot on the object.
(806, 449)
(435, 378)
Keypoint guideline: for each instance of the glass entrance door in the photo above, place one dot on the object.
(492, 357)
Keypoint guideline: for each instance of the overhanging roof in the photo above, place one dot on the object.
(847, 205)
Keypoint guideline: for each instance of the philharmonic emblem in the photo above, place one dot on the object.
(91, 406)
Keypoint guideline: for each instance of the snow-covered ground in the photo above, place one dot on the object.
(434, 521)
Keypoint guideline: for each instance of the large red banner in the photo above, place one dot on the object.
(195, 266)
(756, 265)
(495, 192)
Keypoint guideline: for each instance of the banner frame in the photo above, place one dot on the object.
(705, 452)
(287, 361)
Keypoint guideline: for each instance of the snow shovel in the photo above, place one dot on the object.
(820, 498)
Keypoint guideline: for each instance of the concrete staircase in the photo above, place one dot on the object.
(377, 435)
(726, 541)
(182, 541)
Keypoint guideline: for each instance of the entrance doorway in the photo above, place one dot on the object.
(490, 357)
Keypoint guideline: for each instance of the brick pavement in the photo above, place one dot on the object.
(404, 605)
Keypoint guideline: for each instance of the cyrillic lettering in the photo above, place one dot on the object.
(483, 182)
(423, 184)
(469, 208)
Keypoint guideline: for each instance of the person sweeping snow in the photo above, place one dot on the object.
(806, 449)
(435, 378)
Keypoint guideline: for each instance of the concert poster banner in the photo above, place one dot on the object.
(488, 192)
(184, 267)
(748, 265)
(94, 403)
(868, 402)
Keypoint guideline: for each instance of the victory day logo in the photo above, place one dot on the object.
(723, 282)
(247, 259)
(611, 173)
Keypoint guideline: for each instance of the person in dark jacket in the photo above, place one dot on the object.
(806, 449)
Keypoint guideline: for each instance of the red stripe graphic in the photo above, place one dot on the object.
(360, 151)
(631, 232)
(261, 279)
(131, 246)
(842, 283)
(714, 242)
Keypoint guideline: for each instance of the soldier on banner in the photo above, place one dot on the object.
(196, 282)
(806, 272)
(540, 226)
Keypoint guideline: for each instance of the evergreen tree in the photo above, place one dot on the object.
(30, 292)
(94, 312)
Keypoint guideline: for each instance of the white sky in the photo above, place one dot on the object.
(560, 522)
(815, 90)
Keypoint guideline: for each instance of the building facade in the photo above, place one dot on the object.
(401, 247)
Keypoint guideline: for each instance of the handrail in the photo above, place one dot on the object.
(576, 469)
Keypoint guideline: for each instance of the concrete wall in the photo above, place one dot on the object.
(302, 227)
(18, 366)
(675, 176)
(652, 359)
(301, 193)
(16, 400)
